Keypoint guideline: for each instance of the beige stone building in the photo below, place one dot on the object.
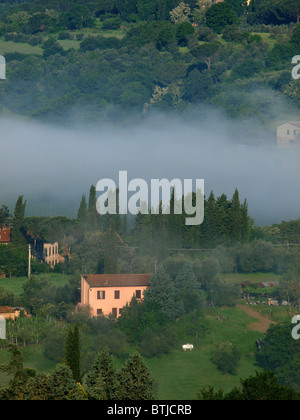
(288, 135)
(51, 255)
(11, 313)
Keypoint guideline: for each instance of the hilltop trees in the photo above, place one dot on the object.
(263, 386)
(276, 12)
(82, 211)
(5, 216)
(17, 222)
(220, 15)
(135, 380)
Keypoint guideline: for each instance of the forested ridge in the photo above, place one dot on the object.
(119, 60)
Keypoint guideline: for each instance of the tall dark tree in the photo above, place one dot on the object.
(72, 352)
(209, 228)
(246, 222)
(135, 380)
(93, 215)
(222, 219)
(188, 289)
(5, 216)
(101, 380)
(235, 218)
(220, 15)
(17, 222)
(82, 211)
(162, 291)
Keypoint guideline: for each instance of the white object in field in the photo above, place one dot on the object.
(187, 347)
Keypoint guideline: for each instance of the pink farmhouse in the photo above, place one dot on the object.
(107, 294)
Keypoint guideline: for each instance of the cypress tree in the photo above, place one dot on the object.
(92, 200)
(93, 215)
(82, 211)
(245, 222)
(222, 219)
(18, 220)
(235, 218)
(208, 229)
(72, 352)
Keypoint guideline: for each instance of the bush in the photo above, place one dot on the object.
(226, 357)
(112, 24)
(183, 31)
(93, 43)
(157, 342)
(63, 35)
(35, 40)
(247, 68)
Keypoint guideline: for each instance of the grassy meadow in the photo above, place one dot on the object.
(181, 375)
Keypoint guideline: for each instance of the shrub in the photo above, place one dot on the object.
(226, 357)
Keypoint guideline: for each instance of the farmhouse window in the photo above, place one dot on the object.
(117, 294)
(138, 294)
(101, 294)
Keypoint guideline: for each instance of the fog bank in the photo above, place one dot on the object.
(53, 166)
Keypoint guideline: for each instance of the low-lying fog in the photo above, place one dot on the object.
(53, 166)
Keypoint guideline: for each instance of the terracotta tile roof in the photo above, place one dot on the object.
(6, 310)
(117, 280)
(5, 235)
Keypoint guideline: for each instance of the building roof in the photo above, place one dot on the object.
(265, 284)
(6, 310)
(5, 235)
(117, 280)
(295, 123)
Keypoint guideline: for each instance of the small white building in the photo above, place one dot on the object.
(288, 135)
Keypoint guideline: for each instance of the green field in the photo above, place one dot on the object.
(34, 359)
(15, 284)
(180, 375)
(18, 47)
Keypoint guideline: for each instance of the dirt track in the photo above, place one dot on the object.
(263, 323)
